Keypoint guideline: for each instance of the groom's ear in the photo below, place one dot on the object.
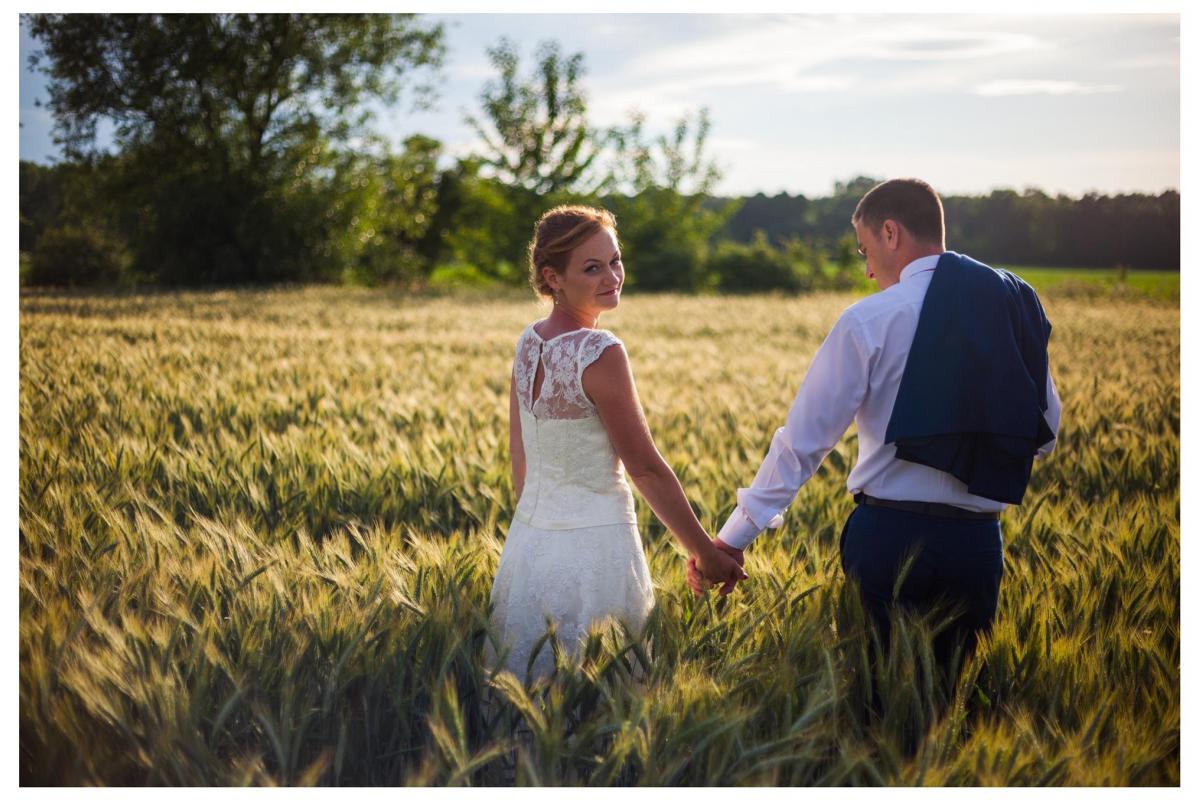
(891, 234)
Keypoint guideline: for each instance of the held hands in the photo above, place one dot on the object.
(719, 563)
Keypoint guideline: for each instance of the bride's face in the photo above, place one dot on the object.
(594, 276)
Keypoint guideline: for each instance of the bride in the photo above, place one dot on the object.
(573, 554)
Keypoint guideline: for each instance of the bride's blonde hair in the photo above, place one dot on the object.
(559, 231)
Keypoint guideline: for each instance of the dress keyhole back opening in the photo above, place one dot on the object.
(539, 377)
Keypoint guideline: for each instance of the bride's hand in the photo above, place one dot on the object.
(717, 566)
(698, 583)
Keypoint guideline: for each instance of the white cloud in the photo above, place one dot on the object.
(670, 99)
(923, 42)
(804, 43)
(1012, 88)
(797, 54)
(1151, 60)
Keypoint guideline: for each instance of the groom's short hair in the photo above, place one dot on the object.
(910, 201)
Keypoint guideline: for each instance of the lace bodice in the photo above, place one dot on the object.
(573, 477)
(564, 358)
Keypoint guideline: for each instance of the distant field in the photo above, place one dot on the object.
(1159, 284)
(1072, 282)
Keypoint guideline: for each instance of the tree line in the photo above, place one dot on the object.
(1029, 228)
(243, 153)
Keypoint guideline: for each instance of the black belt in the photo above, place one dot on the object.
(931, 509)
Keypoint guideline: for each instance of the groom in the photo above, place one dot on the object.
(945, 372)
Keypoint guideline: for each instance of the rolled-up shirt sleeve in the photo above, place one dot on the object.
(1053, 414)
(825, 405)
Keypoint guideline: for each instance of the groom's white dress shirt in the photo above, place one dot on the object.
(855, 376)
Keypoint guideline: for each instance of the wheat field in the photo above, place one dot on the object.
(258, 530)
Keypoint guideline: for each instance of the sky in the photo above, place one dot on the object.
(1064, 103)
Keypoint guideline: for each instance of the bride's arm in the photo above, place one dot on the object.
(609, 383)
(516, 447)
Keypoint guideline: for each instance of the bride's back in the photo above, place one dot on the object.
(573, 477)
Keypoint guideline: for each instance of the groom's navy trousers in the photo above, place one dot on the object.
(956, 562)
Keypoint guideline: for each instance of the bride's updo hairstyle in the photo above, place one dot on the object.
(559, 231)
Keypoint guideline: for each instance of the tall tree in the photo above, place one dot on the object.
(225, 123)
(536, 133)
(390, 199)
(539, 150)
(663, 186)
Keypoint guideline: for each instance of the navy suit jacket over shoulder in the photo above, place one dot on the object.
(973, 393)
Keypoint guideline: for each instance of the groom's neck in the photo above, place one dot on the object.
(916, 250)
(920, 249)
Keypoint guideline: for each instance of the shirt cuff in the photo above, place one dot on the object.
(739, 530)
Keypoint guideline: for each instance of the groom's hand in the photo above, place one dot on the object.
(737, 555)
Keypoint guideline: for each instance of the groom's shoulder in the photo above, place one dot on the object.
(875, 308)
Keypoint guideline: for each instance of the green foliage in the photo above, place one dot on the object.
(40, 200)
(490, 226)
(663, 222)
(226, 128)
(795, 266)
(69, 200)
(258, 530)
(666, 246)
(73, 256)
(845, 255)
(539, 151)
(254, 85)
(386, 204)
(1003, 226)
(1103, 284)
(755, 267)
(458, 275)
(243, 155)
(537, 137)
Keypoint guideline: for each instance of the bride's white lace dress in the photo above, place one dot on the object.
(573, 552)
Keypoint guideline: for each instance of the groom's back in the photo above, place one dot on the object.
(882, 327)
(884, 324)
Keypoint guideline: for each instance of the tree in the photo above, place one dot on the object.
(489, 224)
(40, 200)
(76, 256)
(227, 125)
(665, 225)
(69, 230)
(757, 267)
(539, 151)
(389, 200)
(539, 138)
